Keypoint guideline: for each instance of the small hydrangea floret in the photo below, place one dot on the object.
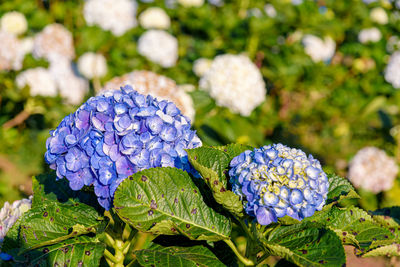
(276, 180)
(116, 134)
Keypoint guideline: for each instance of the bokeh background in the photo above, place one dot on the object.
(322, 76)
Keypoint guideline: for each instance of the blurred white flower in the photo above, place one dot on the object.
(234, 82)
(294, 36)
(54, 42)
(161, 87)
(392, 71)
(270, 10)
(117, 16)
(160, 47)
(39, 80)
(218, 3)
(297, 2)
(369, 35)
(154, 17)
(201, 66)
(379, 15)
(11, 52)
(27, 44)
(9, 214)
(371, 169)
(254, 12)
(72, 87)
(187, 87)
(393, 44)
(14, 22)
(92, 65)
(191, 3)
(318, 49)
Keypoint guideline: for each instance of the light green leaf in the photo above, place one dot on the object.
(159, 256)
(339, 189)
(388, 250)
(213, 164)
(305, 245)
(210, 162)
(354, 226)
(234, 150)
(166, 201)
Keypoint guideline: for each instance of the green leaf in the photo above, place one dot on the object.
(287, 220)
(388, 250)
(339, 189)
(284, 263)
(78, 251)
(305, 245)
(46, 188)
(52, 223)
(234, 150)
(159, 256)
(212, 164)
(166, 201)
(390, 219)
(11, 240)
(354, 226)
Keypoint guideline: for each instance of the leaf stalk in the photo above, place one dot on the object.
(244, 260)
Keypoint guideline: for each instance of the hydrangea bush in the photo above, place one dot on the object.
(316, 75)
(162, 194)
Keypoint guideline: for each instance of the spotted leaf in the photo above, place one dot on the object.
(166, 201)
(159, 256)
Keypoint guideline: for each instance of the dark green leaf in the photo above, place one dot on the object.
(52, 223)
(305, 245)
(46, 188)
(166, 201)
(78, 251)
(160, 256)
(284, 263)
(390, 219)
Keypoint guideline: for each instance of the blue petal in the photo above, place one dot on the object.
(296, 197)
(154, 124)
(265, 216)
(168, 133)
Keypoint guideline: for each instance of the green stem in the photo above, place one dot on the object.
(109, 256)
(246, 229)
(110, 263)
(131, 263)
(119, 254)
(244, 260)
(126, 247)
(109, 240)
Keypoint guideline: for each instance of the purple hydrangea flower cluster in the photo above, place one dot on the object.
(276, 180)
(116, 134)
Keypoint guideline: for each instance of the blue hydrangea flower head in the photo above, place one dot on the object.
(116, 134)
(276, 180)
